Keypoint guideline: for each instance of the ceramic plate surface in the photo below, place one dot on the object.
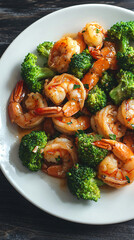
(45, 192)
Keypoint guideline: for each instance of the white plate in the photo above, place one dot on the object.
(43, 191)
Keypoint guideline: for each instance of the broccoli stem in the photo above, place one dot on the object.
(45, 73)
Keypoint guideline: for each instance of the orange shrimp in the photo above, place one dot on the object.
(106, 58)
(61, 53)
(105, 122)
(70, 125)
(15, 111)
(129, 141)
(108, 51)
(60, 87)
(60, 155)
(94, 34)
(80, 41)
(126, 113)
(116, 169)
(92, 77)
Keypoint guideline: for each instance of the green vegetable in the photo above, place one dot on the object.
(44, 50)
(76, 86)
(80, 64)
(33, 75)
(107, 82)
(58, 159)
(126, 59)
(96, 99)
(86, 86)
(128, 179)
(30, 150)
(89, 154)
(125, 88)
(123, 33)
(82, 183)
(112, 136)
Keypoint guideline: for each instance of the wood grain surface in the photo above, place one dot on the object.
(19, 219)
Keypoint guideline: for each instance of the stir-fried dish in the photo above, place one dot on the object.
(83, 99)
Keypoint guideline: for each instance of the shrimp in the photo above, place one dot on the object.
(15, 111)
(105, 122)
(70, 125)
(108, 51)
(80, 41)
(126, 113)
(94, 34)
(61, 53)
(92, 77)
(106, 59)
(129, 141)
(117, 169)
(58, 89)
(60, 155)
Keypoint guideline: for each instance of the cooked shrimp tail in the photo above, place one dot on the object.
(120, 150)
(49, 111)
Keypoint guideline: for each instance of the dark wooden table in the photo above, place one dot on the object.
(19, 219)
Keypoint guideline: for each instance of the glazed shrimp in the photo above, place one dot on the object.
(129, 141)
(80, 41)
(126, 113)
(61, 53)
(105, 122)
(94, 34)
(58, 89)
(92, 77)
(116, 169)
(108, 52)
(15, 111)
(70, 125)
(106, 59)
(60, 155)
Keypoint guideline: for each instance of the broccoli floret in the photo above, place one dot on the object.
(125, 88)
(30, 149)
(107, 82)
(126, 59)
(89, 154)
(96, 99)
(80, 64)
(123, 32)
(82, 183)
(33, 74)
(44, 50)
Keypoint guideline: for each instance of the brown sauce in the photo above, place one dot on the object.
(63, 183)
(21, 132)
